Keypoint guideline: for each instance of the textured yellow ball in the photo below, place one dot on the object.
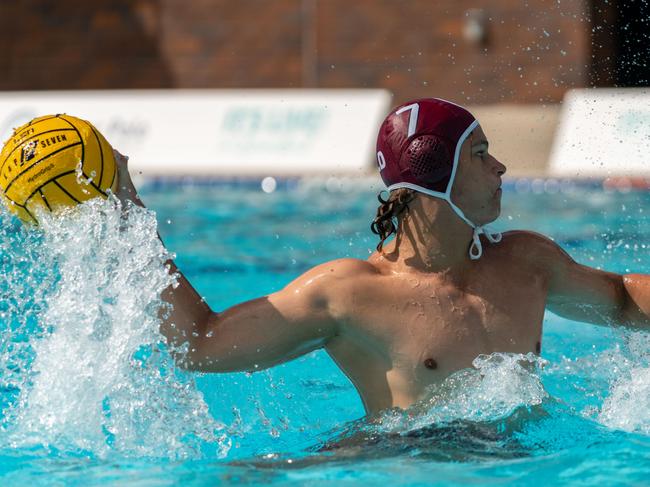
(55, 161)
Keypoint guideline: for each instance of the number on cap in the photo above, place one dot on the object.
(381, 160)
(413, 108)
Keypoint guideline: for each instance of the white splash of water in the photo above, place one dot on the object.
(496, 386)
(627, 406)
(101, 380)
(23, 288)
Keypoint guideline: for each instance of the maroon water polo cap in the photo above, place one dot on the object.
(419, 143)
(418, 147)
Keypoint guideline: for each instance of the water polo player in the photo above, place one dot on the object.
(423, 306)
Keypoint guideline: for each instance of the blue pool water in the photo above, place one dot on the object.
(89, 395)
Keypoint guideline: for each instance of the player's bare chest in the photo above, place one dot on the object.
(441, 327)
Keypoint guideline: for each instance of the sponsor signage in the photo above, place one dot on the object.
(602, 133)
(232, 132)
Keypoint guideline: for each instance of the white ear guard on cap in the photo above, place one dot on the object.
(475, 248)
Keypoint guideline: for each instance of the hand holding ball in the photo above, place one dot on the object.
(55, 161)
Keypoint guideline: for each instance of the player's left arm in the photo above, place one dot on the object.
(582, 293)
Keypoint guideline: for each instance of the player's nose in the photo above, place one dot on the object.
(498, 167)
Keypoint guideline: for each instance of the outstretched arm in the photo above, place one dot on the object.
(268, 330)
(636, 309)
(586, 294)
(250, 336)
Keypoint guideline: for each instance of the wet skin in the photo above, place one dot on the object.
(409, 316)
(442, 323)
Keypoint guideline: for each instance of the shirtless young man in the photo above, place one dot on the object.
(432, 299)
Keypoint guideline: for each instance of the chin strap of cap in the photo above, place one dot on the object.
(476, 249)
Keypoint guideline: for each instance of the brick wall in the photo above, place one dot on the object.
(534, 51)
(76, 44)
(232, 43)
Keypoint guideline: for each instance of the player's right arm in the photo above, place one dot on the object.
(266, 331)
(252, 335)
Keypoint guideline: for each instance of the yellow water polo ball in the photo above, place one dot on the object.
(55, 161)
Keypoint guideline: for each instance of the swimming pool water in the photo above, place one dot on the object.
(580, 415)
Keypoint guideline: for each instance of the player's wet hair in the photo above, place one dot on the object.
(389, 213)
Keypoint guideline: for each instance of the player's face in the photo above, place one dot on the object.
(477, 185)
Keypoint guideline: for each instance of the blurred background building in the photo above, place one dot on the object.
(511, 60)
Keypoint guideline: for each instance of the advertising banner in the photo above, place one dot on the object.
(230, 132)
(602, 133)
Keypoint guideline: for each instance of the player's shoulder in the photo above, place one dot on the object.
(531, 246)
(330, 280)
(526, 238)
(344, 268)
